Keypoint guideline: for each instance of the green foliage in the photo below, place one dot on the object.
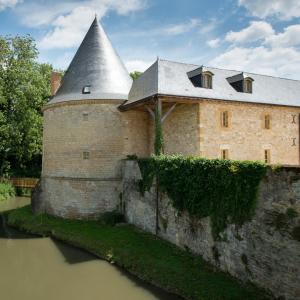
(112, 218)
(222, 189)
(291, 213)
(23, 192)
(142, 254)
(135, 75)
(159, 141)
(6, 191)
(24, 89)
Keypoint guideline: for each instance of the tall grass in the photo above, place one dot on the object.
(6, 191)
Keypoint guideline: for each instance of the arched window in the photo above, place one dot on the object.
(248, 85)
(225, 119)
(207, 80)
(267, 122)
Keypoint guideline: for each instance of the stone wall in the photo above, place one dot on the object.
(83, 145)
(180, 131)
(246, 138)
(265, 251)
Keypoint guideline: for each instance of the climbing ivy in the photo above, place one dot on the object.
(159, 141)
(222, 189)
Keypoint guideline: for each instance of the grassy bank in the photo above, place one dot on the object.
(6, 191)
(142, 254)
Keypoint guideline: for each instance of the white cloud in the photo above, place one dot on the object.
(181, 28)
(278, 62)
(68, 30)
(256, 31)
(214, 43)
(8, 4)
(288, 38)
(69, 21)
(283, 9)
(137, 65)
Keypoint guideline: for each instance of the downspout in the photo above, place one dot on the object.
(158, 145)
(299, 139)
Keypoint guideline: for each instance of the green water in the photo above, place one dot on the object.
(34, 268)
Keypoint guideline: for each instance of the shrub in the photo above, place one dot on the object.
(6, 191)
(222, 189)
(112, 218)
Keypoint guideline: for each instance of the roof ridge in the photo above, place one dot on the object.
(223, 69)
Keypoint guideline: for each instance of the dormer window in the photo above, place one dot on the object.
(201, 77)
(207, 80)
(241, 83)
(248, 85)
(86, 89)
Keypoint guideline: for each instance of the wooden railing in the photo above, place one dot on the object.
(24, 182)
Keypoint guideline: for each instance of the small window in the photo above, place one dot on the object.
(267, 157)
(267, 122)
(225, 119)
(248, 86)
(224, 154)
(85, 116)
(86, 89)
(207, 81)
(86, 155)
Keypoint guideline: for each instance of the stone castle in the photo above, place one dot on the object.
(98, 115)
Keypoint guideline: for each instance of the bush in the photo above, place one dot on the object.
(222, 189)
(112, 218)
(6, 191)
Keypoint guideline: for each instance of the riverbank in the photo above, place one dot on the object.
(144, 255)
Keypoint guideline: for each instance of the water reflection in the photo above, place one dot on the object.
(41, 269)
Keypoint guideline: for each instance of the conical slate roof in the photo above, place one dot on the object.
(97, 66)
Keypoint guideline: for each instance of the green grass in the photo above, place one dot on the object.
(142, 254)
(6, 191)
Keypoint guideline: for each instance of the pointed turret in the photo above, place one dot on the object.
(96, 71)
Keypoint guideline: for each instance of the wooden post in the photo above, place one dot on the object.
(158, 143)
(299, 137)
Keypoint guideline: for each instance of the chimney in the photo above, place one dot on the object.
(55, 82)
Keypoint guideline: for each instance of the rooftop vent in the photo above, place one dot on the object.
(241, 83)
(201, 77)
(86, 89)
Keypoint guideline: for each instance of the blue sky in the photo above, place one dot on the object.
(261, 36)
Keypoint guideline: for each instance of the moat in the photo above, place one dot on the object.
(40, 268)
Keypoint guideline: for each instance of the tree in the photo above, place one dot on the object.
(24, 89)
(135, 75)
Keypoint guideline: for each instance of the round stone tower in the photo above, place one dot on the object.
(85, 135)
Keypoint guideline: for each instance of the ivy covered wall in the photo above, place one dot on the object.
(224, 190)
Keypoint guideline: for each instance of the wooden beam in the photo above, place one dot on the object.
(168, 112)
(151, 112)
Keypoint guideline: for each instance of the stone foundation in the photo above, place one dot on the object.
(76, 198)
(265, 251)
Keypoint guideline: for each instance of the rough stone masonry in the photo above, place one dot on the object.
(265, 251)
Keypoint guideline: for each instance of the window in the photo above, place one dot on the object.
(267, 121)
(267, 157)
(224, 153)
(86, 155)
(86, 89)
(207, 81)
(225, 119)
(248, 86)
(85, 116)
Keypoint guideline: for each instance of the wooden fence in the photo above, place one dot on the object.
(24, 182)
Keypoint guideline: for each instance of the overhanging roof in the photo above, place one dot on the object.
(171, 78)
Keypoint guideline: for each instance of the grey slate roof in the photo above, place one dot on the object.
(97, 65)
(170, 78)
